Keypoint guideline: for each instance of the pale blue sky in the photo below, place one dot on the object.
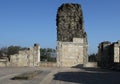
(25, 22)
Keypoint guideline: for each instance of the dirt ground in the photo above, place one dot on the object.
(60, 76)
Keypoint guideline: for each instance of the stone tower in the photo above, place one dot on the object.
(71, 38)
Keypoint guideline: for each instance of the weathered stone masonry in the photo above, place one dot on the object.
(70, 23)
(72, 42)
(72, 45)
(30, 57)
(109, 54)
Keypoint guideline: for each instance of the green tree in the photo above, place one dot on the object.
(92, 57)
(45, 54)
(13, 50)
(3, 50)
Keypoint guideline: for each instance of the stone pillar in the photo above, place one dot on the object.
(104, 54)
(117, 52)
(85, 51)
(71, 38)
(36, 54)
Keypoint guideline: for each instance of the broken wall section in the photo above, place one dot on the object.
(109, 54)
(30, 57)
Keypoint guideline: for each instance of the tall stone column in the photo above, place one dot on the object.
(71, 38)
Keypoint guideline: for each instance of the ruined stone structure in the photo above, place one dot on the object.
(72, 42)
(108, 54)
(3, 62)
(30, 57)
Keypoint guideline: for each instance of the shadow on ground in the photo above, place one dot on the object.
(89, 76)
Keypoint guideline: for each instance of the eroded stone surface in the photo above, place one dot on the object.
(72, 39)
(30, 57)
(109, 54)
(70, 23)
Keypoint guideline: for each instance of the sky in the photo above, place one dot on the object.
(25, 22)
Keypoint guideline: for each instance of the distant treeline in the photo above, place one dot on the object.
(92, 57)
(48, 54)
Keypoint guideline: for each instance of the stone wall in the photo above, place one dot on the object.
(71, 54)
(108, 54)
(71, 38)
(3, 62)
(91, 65)
(104, 56)
(117, 52)
(30, 57)
(48, 64)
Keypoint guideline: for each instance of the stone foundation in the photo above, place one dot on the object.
(48, 64)
(71, 54)
(91, 65)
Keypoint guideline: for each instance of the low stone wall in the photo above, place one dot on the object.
(48, 64)
(30, 57)
(91, 64)
(3, 62)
